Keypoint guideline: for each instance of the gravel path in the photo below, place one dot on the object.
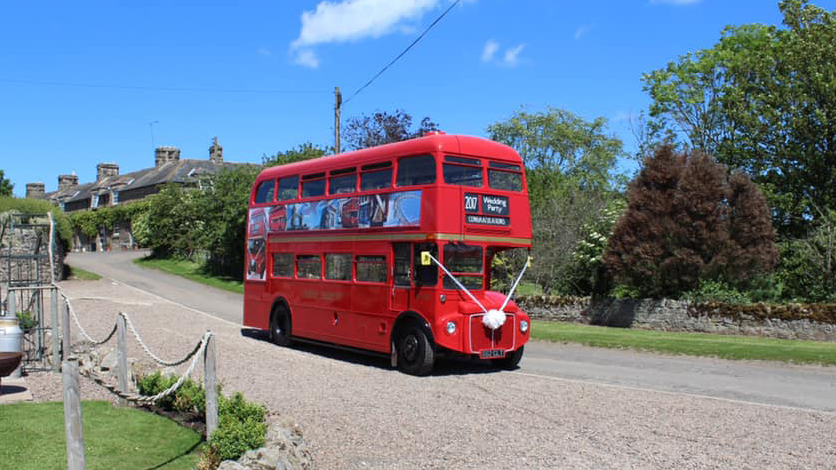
(358, 414)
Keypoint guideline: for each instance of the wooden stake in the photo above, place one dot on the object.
(210, 384)
(72, 415)
(122, 357)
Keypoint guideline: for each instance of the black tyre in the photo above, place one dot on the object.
(280, 326)
(415, 351)
(510, 360)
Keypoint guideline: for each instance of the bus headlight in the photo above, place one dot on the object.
(451, 327)
(523, 326)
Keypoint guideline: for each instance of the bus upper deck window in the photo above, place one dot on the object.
(463, 171)
(416, 170)
(264, 193)
(313, 185)
(376, 176)
(288, 188)
(504, 176)
(342, 184)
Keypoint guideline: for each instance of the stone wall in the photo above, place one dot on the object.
(672, 315)
(26, 241)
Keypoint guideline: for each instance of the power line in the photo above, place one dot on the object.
(152, 88)
(404, 51)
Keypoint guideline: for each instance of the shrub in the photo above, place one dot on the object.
(241, 427)
(155, 383)
(716, 291)
(688, 221)
(234, 437)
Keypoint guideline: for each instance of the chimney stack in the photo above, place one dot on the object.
(103, 170)
(166, 154)
(216, 152)
(67, 181)
(35, 191)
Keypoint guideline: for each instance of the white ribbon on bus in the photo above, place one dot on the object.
(493, 318)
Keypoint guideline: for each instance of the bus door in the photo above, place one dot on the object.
(401, 276)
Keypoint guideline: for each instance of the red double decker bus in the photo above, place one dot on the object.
(389, 249)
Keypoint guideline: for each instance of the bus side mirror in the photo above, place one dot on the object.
(425, 258)
(528, 263)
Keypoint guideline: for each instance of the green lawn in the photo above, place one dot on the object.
(32, 437)
(78, 273)
(692, 344)
(193, 271)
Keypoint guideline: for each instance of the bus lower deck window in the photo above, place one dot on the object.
(308, 267)
(371, 269)
(338, 267)
(282, 265)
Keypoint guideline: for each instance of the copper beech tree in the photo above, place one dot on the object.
(688, 220)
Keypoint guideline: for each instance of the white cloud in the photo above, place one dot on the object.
(582, 31)
(511, 56)
(263, 51)
(307, 58)
(350, 20)
(490, 49)
(676, 2)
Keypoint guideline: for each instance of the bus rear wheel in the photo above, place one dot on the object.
(415, 352)
(280, 326)
(510, 361)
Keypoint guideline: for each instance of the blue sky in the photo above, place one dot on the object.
(88, 82)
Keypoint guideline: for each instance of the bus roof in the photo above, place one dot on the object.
(434, 142)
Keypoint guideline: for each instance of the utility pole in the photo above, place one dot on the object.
(338, 102)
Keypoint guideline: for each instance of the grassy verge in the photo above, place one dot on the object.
(692, 344)
(78, 273)
(193, 271)
(33, 438)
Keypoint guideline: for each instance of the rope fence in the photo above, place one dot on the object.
(205, 348)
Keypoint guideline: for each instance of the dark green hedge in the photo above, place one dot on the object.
(38, 206)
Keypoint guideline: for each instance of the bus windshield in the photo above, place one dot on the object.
(464, 262)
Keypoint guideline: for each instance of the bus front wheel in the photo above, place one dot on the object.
(415, 352)
(510, 360)
(280, 326)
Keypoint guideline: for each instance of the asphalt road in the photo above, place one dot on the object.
(755, 382)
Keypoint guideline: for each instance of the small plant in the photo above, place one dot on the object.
(190, 397)
(26, 321)
(155, 383)
(716, 291)
(241, 427)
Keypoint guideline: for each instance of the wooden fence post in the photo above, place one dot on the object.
(210, 384)
(53, 298)
(65, 324)
(72, 415)
(122, 357)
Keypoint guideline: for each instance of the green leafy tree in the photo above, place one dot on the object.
(808, 264)
(222, 208)
(569, 166)
(763, 99)
(305, 151)
(381, 127)
(6, 186)
(687, 221)
(560, 149)
(174, 223)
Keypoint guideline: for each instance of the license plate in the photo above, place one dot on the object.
(491, 354)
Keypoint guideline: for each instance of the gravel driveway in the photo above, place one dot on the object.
(358, 414)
